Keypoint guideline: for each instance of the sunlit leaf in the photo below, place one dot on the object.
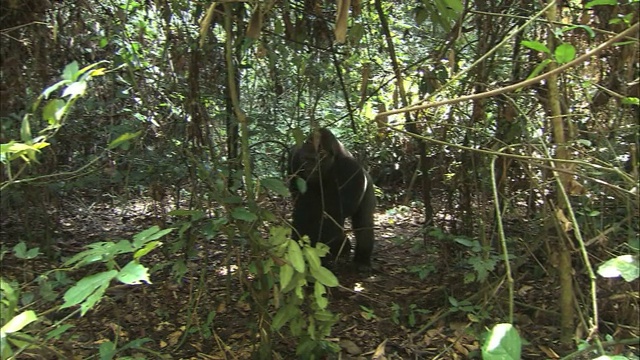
(88, 291)
(593, 3)
(564, 53)
(70, 71)
(75, 89)
(147, 248)
(124, 138)
(536, 45)
(54, 111)
(624, 265)
(133, 274)
(18, 322)
(503, 343)
(54, 87)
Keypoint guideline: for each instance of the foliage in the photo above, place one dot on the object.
(74, 84)
(503, 342)
(408, 315)
(294, 265)
(17, 337)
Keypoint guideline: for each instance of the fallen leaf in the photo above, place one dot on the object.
(379, 353)
(350, 347)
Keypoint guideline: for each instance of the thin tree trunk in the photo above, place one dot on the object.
(560, 140)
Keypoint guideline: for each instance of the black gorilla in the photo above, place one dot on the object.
(337, 187)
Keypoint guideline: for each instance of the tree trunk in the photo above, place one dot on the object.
(560, 140)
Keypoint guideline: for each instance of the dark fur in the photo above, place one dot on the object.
(337, 187)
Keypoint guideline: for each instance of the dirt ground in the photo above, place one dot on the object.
(389, 313)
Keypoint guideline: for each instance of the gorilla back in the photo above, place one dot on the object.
(337, 187)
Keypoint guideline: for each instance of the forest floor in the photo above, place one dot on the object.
(415, 304)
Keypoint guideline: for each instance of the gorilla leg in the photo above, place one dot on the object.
(320, 225)
(363, 224)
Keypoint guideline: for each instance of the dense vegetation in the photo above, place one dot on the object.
(144, 190)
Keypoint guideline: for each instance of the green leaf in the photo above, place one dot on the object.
(276, 185)
(318, 292)
(18, 322)
(503, 343)
(243, 214)
(326, 316)
(54, 111)
(301, 185)
(311, 254)
(280, 235)
(25, 130)
(465, 241)
(286, 274)
(21, 251)
(147, 248)
(123, 140)
(421, 15)
(294, 255)
(150, 234)
(75, 89)
(100, 251)
(586, 28)
(134, 273)
(70, 71)
(57, 332)
(538, 69)
(24, 151)
(283, 316)
(565, 53)
(536, 45)
(9, 298)
(88, 291)
(455, 5)
(52, 88)
(325, 276)
(591, 4)
(624, 265)
(356, 32)
(107, 350)
(297, 283)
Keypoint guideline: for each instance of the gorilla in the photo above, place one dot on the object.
(337, 187)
